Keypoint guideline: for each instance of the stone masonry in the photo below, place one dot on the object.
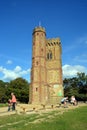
(46, 72)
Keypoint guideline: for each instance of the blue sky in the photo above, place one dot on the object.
(66, 19)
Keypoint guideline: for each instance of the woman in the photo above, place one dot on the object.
(13, 100)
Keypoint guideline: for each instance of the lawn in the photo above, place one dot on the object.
(3, 104)
(75, 119)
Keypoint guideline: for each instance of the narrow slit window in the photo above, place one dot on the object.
(36, 89)
(49, 55)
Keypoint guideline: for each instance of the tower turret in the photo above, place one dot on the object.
(38, 73)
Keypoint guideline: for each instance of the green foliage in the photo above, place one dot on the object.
(19, 86)
(76, 86)
(21, 89)
(3, 87)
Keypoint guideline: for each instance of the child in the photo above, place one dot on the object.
(9, 104)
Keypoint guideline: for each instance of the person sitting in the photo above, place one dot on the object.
(64, 101)
(73, 100)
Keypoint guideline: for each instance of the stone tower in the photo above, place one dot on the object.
(46, 72)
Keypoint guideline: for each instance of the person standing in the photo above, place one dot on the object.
(9, 104)
(13, 100)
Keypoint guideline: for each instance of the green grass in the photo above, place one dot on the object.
(75, 119)
(3, 104)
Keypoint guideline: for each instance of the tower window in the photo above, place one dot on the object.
(49, 55)
(36, 89)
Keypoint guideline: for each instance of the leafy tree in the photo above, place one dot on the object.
(3, 87)
(20, 87)
(76, 86)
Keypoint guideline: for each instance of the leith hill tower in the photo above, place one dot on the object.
(46, 72)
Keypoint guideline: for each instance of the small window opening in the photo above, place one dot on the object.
(49, 55)
(36, 89)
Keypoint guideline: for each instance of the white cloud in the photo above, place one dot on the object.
(71, 71)
(9, 62)
(68, 72)
(17, 69)
(12, 74)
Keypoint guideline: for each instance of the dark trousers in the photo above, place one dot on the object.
(9, 107)
(13, 106)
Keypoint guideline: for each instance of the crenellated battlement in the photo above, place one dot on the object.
(53, 42)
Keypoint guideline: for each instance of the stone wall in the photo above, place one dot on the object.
(46, 74)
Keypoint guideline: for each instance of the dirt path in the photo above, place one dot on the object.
(29, 109)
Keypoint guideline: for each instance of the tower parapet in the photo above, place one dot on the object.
(39, 29)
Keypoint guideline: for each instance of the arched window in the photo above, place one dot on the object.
(49, 55)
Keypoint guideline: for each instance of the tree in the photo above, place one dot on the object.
(3, 87)
(20, 87)
(70, 87)
(76, 86)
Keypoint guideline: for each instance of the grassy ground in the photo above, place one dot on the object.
(3, 104)
(75, 119)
